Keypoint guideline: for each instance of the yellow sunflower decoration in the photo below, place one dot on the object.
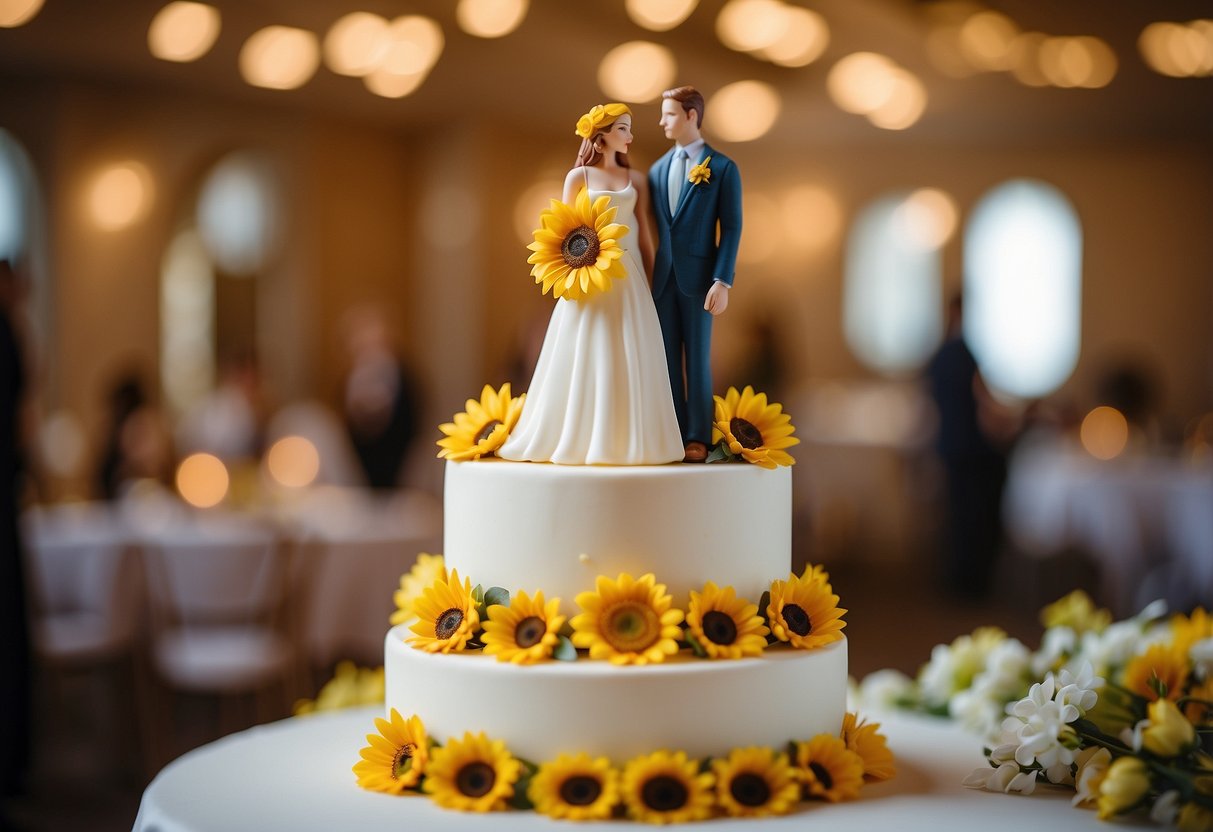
(472, 774)
(753, 429)
(755, 783)
(627, 621)
(666, 788)
(483, 427)
(828, 769)
(804, 612)
(817, 573)
(397, 756)
(524, 632)
(575, 788)
(447, 616)
(863, 738)
(577, 250)
(1159, 664)
(412, 583)
(350, 687)
(725, 626)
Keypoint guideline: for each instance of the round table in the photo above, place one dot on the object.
(295, 775)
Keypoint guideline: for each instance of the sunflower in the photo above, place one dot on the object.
(350, 686)
(666, 788)
(483, 427)
(472, 774)
(828, 769)
(447, 615)
(575, 788)
(862, 738)
(727, 627)
(628, 621)
(1161, 662)
(412, 583)
(755, 783)
(524, 632)
(577, 251)
(804, 612)
(397, 756)
(753, 429)
(817, 573)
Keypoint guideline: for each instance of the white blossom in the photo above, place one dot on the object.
(952, 667)
(1005, 778)
(1080, 690)
(1044, 733)
(1165, 808)
(884, 689)
(1201, 654)
(980, 708)
(1057, 644)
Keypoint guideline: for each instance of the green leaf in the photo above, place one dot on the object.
(566, 630)
(521, 787)
(565, 651)
(497, 595)
(763, 603)
(720, 453)
(478, 594)
(696, 647)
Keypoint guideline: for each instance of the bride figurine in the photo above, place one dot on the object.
(600, 394)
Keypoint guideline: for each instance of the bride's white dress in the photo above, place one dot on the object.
(601, 392)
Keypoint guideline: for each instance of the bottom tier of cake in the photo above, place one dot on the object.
(705, 708)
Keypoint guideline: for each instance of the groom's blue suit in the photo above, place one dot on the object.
(689, 260)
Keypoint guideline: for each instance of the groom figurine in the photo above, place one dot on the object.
(696, 193)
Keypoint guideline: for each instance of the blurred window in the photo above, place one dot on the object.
(1023, 287)
(15, 194)
(892, 303)
(239, 213)
(187, 321)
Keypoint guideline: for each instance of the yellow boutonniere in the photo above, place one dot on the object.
(700, 173)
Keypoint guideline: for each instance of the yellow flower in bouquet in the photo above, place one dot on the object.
(1124, 786)
(753, 429)
(397, 756)
(1160, 665)
(1077, 612)
(350, 687)
(483, 427)
(577, 250)
(628, 621)
(1187, 630)
(421, 574)
(1168, 733)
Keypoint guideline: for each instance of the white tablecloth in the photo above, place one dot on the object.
(295, 776)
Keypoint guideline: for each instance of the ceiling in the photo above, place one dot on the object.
(545, 72)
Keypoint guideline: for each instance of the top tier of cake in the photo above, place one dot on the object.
(526, 526)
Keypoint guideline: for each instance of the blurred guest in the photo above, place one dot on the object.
(227, 421)
(135, 445)
(379, 403)
(1129, 386)
(974, 467)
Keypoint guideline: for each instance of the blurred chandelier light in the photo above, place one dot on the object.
(636, 71)
(660, 15)
(927, 218)
(1178, 50)
(805, 36)
(202, 480)
(490, 18)
(355, 44)
(986, 40)
(183, 31)
(120, 195)
(1077, 62)
(293, 462)
(744, 110)
(873, 85)
(279, 58)
(15, 13)
(751, 25)
(1104, 433)
(414, 44)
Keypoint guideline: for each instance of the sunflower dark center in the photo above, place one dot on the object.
(529, 631)
(797, 619)
(750, 789)
(448, 623)
(823, 775)
(580, 790)
(404, 759)
(475, 779)
(580, 247)
(664, 793)
(719, 627)
(749, 436)
(487, 430)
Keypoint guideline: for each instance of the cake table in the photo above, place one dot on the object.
(295, 775)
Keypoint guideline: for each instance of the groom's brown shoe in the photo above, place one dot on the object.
(695, 452)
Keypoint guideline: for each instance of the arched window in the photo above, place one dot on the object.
(1023, 287)
(16, 190)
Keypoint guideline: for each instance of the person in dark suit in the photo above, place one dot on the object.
(696, 194)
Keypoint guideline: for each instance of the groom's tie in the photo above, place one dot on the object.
(678, 178)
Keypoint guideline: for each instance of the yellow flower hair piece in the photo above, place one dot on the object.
(755, 783)
(447, 615)
(575, 788)
(599, 116)
(525, 632)
(700, 172)
(483, 427)
(397, 756)
(576, 251)
(828, 769)
(472, 774)
(412, 583)
(725, 626)
(753, 429)
(666, 788)
(1159, 664)
(804, 613)
(863, 738)
(627, 621)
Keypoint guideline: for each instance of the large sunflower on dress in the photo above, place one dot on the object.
(483, 426)
(725, 626)
(472, 774)
(828, 769)
(864, 739)
(805, 612)
(627, 621)
(447, 615)
(413, 583)
(755, 782)
(397, 756)
(576, 250)
(666, 788)
(524, 632)
(575, 788)
(754, 429)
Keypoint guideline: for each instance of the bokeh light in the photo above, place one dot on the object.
(637, 71)
(202, 480)
(534, 200)
(986, 39)
(805, 37)
(1178, 50)
(15, 13)
(120, 195)
(1104, 433)
(812, 217)
(764, 232)
(751, 25)
(927, 218)
(415, 43)
(183, 31)
(279, 58)
(1077, 62)
(490, 18)
(293, 461)
(660, 15)
(239, 212)
(744, 110)
(393, 85)
(356, 44)
(906, 103)
(62, 443)
(861, 82)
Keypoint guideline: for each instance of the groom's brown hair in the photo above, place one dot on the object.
(690, 99)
